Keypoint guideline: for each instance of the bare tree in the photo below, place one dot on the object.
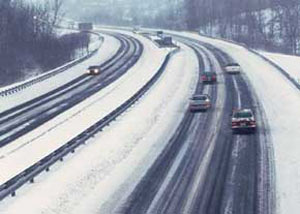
(57, 11)
(28, 40)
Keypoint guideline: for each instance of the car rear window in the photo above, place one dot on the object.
(242, 114)
(209, 73)
(233, 64)
(93, 67)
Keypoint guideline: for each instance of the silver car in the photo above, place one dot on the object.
(200, 102)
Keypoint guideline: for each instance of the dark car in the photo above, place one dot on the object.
(243, 121)
(200, 102)
(209, 77)
(93, 70)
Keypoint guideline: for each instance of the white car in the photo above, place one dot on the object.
(233, 68)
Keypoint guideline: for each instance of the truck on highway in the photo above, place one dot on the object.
(85, 26)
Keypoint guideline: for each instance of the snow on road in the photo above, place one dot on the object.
(106, 170)
(119, 154)
(281, 102)
(108, 48)
(67, 125)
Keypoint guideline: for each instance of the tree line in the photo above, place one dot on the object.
(270, 24)
(29, 41)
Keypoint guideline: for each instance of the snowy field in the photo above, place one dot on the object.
(117, 157)
(281, 102)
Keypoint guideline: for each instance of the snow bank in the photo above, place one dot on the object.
(291, 64)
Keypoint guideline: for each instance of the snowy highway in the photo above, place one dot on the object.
(205, 168)
(157, 156)
(21, 119)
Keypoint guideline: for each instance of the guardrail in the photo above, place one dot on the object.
(129, 59)
(282, 71)
(49, 74)
(28, 175)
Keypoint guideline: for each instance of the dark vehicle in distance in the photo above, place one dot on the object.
(85, 26)
(209, 77)
(136, 29)
(200, 102)
(243, 121)
(93, 70)
(159, 33)
(167, 40)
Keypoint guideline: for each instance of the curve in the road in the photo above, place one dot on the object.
(24, 118)
(225, 178)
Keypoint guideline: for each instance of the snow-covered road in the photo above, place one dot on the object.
(281, 102)
(107, 169)
(141, 134)
(107, 50)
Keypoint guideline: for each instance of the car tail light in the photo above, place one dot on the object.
(203, 77)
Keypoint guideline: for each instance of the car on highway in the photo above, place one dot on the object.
(136, 29)
(93, 70)
(243, 120)
(200, 102)
(209, 77)
(233, 68)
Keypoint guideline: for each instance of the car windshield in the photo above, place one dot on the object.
(93, 67)
(209, 73)
(242, 114)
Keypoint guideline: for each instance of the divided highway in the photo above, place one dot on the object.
(21, 119)
(29, 173)
(206, 168)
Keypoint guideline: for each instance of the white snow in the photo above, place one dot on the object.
(100, 174)
(281, 102)
(290, 64)
(110, 97)
(118, 155)
(107, 50)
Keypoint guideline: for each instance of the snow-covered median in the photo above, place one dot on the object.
(109, 166)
